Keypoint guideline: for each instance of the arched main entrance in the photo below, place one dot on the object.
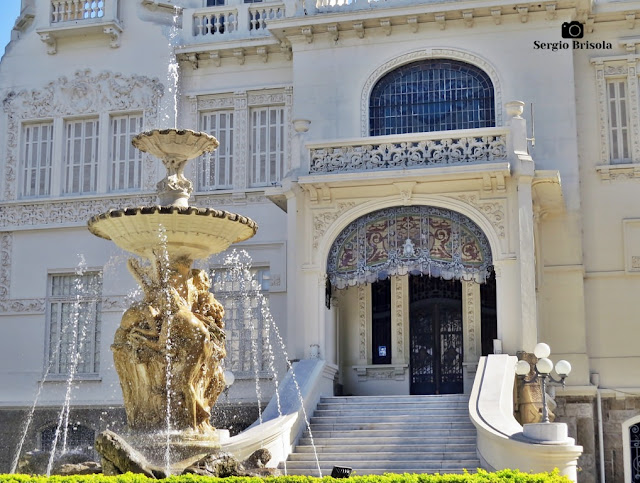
(414, 274)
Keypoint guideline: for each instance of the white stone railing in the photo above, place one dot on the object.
(409, 151)
(238, 21)
(216, 21)
(260, 14)
(72, 10)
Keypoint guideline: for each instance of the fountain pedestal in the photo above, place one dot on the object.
(169, 348)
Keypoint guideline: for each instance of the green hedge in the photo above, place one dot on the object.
(504, 476)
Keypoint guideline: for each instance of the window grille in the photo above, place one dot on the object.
(215, 170)
(618, 121)
(126, 161)
(37, 149)
(243, 294)
(74, 313)
(267, 145)
(81, 157)
(431, 95)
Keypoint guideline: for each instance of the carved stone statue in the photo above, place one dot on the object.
(169, 347)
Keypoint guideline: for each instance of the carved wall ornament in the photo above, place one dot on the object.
(471, 320)
(493, 210)
(84, 93)
(64, 212)
(396, 373)
(6, 247)
(362, 321)
(23, 306)
(422, 54)
(323, 219)
(399, 297)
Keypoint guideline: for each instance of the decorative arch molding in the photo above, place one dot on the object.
(409, 239)
(425, 54)
(630, 459)
(327, 225)
(83, 94)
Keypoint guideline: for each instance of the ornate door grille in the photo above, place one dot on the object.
(435, 308)
(634, 434)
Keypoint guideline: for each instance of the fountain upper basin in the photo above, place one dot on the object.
(184, 144)
(191, 233)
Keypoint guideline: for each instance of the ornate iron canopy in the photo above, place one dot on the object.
(409, 239)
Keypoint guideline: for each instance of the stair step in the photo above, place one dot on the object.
(392, 399)
(400, 428)
(387, 456)
(390, 466)
(327, 447)
(388, 412)
(463, 406)
(369, 471)
(406, 422)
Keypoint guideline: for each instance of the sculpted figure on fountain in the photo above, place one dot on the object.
(169, 348)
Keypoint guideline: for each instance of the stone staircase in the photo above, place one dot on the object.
(388, 434)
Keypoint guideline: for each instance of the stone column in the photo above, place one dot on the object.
(331, 332)
(523, 171)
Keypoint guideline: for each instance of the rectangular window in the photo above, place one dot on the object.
(267, 145)
(37, 154)
(243, 295)
(80, 157)
(73, 311)
(618, 121)
(125, 160)
(215, 170)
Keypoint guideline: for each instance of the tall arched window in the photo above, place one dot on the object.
(431, 95)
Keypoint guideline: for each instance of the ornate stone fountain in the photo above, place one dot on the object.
(169, 346)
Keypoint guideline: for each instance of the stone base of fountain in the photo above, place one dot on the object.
(189, 454)
(183, 446)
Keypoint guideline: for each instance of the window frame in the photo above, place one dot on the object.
(273, 168)
(225, 153)
(409, 99)
(22, 180)
(137, 159)
(52, 368)
(69, 157)
(609, 70)
(261, 274)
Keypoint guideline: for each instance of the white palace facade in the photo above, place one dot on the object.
(434, 181)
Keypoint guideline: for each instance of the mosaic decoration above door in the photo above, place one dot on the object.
(409, 239)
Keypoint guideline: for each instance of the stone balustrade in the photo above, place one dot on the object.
(242, 20)
(260, 14)
(72, 10)
(215, 21)
(409, 151)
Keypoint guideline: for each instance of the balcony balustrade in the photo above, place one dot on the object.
(406, 151)
(79, 18)
(69, 10)
(232, 22)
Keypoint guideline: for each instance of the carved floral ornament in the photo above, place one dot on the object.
(409, 239)
(86, 93)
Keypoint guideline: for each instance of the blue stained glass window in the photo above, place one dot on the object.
(431, 95)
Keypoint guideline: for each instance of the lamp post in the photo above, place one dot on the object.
(542, 372)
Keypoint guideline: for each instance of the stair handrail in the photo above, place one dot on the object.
(501, 443)
(283, 421)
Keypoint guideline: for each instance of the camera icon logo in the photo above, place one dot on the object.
(572, 30)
